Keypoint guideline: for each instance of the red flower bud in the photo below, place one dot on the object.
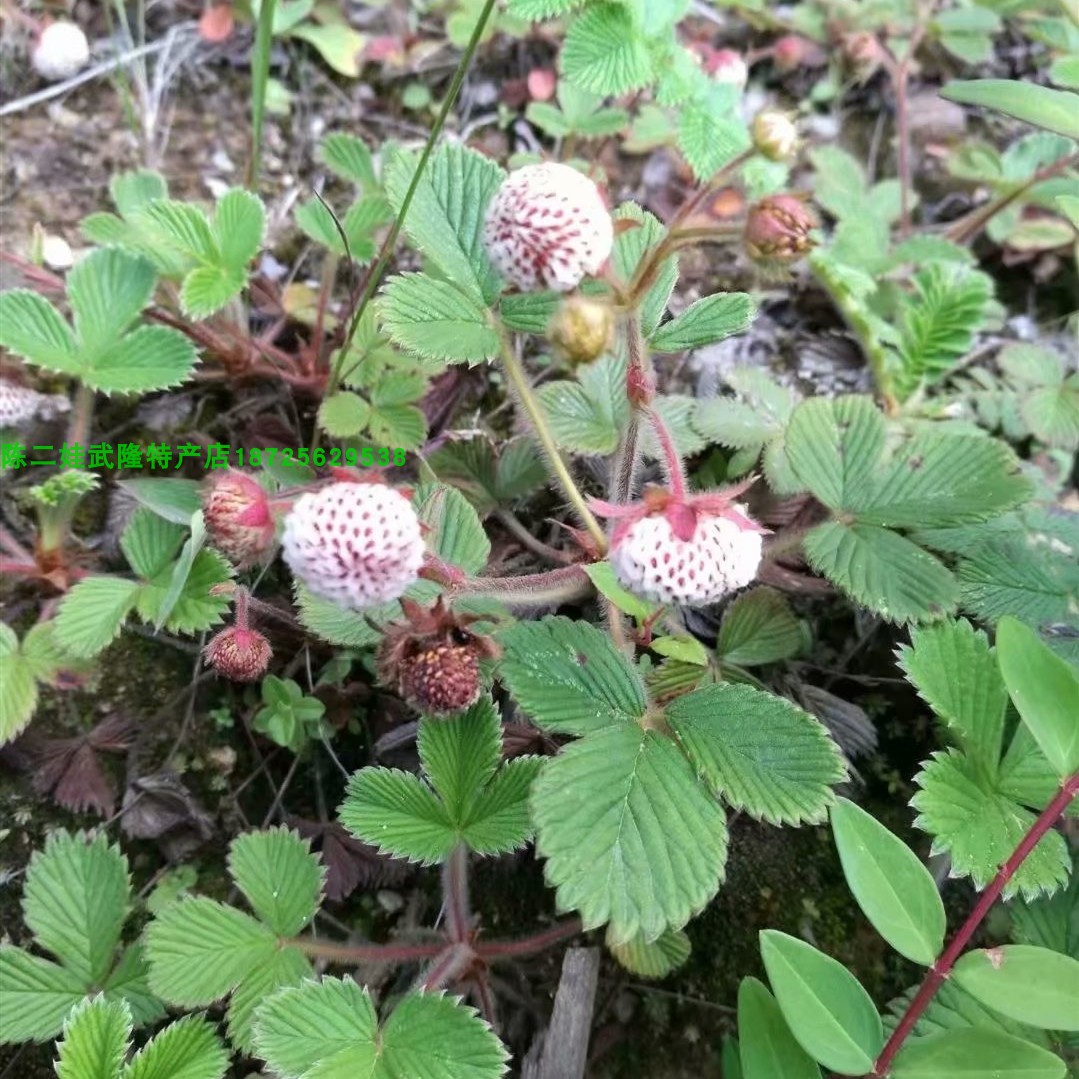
(240, 654)
(778, 230)
(238, 518)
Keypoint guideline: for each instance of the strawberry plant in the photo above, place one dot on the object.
(516, 530)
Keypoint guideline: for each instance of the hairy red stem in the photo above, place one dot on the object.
(943, 966)
(510, 949)
(365, 953)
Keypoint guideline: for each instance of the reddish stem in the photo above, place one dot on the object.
(511, 949)
(366, 953)
(943, 966)
(676, 475)
(455, 895)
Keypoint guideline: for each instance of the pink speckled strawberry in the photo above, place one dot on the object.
(357, 544)
(548, 227)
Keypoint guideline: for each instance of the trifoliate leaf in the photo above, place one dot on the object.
(653, 959)
(200, 950)
(37, 995)
(436, 320)
(980, 828)
(883, 571)
(30, 326)
(445, 220)
(630, 836)
(284, 967)
(343, 414)
(604, 52)
(709, 137)
(706, 321)
(955, 672)
(760, 627)
(759, 752)
(279, 876)
(207, 289)
(150, 542)
(330, 1028)
(239, 225)
(129, 981)
(75, 902)
(569, 677)
(95, 1040)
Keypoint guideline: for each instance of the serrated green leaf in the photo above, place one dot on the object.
(1033, 985)
(1050, 921)
(840, 182)
(150, 542)
(279, 876)
(456, 534)
(883, 571)
(827, 1010)
(529, 312)
(446, 218)
(95, 1040)
(631, 243)
(630, 837)
(604, 53)
(347, 157)
(980, 827)
(709, 139)
(706, 321)
(461, 755)
(569, 677)
(129, 981)
(329, 1029)
(239, 225)
(19, 697)
(538, 10)
(75, 902)
(436, 320)
(955, 671)
(653, 959)
(200, 950)
(895, 891)
(173, 499)
(149, 358)
(1045, 691)
(759, 752)
(32, 328)
(186, 1049)
(35, 996)
(399, 426)
(760, 627)
(186, 227)
(343, 414)
(194, 609)
(351, 629)
(206, 289)
(337, 43)
(131, 191)
(973, 1054)
(767, 1048)
(284, 967)
(1054, 110)
(107, 289)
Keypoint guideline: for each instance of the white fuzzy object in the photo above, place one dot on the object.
(61, 52)
(548, 227)
(356, 544)
(652, 562)
(20, 404)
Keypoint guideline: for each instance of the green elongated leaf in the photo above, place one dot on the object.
(200, 950)
(883, 571)
(710, 319)
(1033, 985)
(980, 827)
(630, 246)
(935, 482)
(398, 813)
(149, 358)
(603, 577)
(436, 320)
(759, 752)
(1045, 691)
(630, 837)
(569, 677)
(767, 1048)
(75, 901)
(653, 959)
(239, 225)
(32, 328)
(35, 996)
(329, 1030)
(955, 672)
(95, 1040)
(1054, 110)
(975, 1054)
(107, 289)
(760, 627)
(456, 535)
(834, 446)
(347, 157)
(604, 53)
(19, 698)
(174, 500)
(895, 891)
(280, 877)
(826, 1008)
(446, 218)
(186, 1049)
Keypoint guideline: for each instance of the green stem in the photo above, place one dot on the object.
(260, 75)
(519, 382)
(374, 275)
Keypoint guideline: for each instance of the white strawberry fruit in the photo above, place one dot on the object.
(690, 550)
(354, 543)
(548, 227)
